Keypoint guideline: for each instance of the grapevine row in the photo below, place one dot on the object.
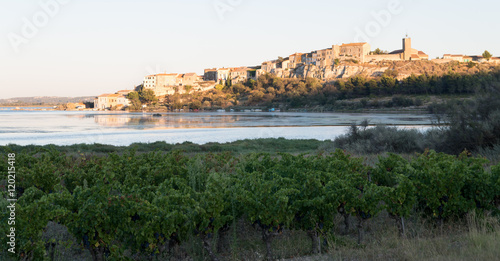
(139, 206)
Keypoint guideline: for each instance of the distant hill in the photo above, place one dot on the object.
(45, 100)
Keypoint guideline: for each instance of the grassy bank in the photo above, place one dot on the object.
(237, 147)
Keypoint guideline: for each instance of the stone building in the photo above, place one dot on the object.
(458, 57)
(190, 79)
(495, 60)
(239, 74)
(355, 51)
(269, 66)
(111, 101)
(410, 54)
(324, 57)
(163, 83)
(295, 60)
(407, 53)
(210, 74)
(222, 75)
(167, 84)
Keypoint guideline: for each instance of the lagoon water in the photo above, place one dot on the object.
(66, 128)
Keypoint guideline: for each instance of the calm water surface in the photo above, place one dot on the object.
(66, 128)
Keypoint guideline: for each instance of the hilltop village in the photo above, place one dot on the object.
(337, 62)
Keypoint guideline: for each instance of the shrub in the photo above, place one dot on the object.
(400, 101)
(381, 139)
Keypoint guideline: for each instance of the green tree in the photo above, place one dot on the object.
(391, 73)
(487, 55)
(148, 96)
(379, 51)
(133, 96)
(195, 105)
(471, 64)
(135, 101)
(188, 88)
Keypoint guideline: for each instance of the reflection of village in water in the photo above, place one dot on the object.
(232, 120)
(121, 128)
(166, 122)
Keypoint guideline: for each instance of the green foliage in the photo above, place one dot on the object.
(472, 124)
(487, 55)
(135, 100)
(142, 205)
(379, 51)
(440, 179)
(148, 96)
(381, 139)
(391, 73)
(133, 96)
(393, 172)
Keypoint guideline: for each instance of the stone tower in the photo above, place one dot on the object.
(406, 49)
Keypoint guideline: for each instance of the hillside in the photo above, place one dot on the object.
(371, 70)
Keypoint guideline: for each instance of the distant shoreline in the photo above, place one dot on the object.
(37, 106)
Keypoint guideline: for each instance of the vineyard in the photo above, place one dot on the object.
(143, 206)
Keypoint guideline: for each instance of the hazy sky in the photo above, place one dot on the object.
(90, 47)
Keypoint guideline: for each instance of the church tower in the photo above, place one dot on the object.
(406, 48)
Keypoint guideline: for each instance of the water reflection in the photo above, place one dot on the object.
(211, 120)
(64, 128)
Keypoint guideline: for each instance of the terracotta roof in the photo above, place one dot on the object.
(240, 69)
(190, 74)
(353, 44)
(415, 56)
(167, 74)
(421, 53)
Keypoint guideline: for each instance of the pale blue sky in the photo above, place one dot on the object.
(92, 47)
